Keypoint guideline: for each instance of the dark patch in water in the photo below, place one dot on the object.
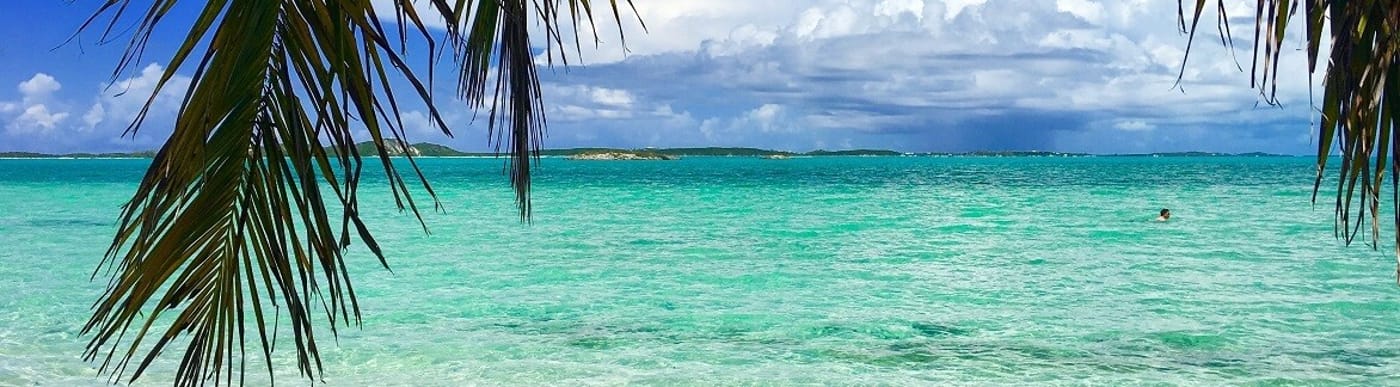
(1225, 366)
(1224, 363)
(937, 330)
(830, 330)
(1359, 358)
(915, 358)
(595, 343)
(907, 346)
(642, 329)
(539, 326)
(1359, 361)
(510, 325)
(1127, 367)
(729, 333)
(954, 229)
(70, 223)
(1043, 353)
(888, 332)
(1185, 340)
(648, 242)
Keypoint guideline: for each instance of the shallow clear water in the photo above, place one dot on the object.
(806, 271)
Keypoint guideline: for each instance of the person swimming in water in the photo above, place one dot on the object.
(1164, 215)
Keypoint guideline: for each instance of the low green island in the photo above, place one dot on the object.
(621, 155)
(112, 155)
(425, 149)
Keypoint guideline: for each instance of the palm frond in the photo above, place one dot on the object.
(231, 226)
(1359, 111)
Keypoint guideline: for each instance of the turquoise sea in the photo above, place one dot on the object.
(730, 271)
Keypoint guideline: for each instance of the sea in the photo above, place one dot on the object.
(806, 271)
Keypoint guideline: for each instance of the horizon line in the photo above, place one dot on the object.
(983, 152)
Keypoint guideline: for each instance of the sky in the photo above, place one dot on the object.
(909, 75)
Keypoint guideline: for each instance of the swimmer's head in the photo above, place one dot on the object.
(1166, 214)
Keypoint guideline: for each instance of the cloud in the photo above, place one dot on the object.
(1134, 126)
(43, 119)
(584, 102)
(766, 117)
(611, 97)
(94, 115)
(38, 88)
(931, 75)
(119, 103)
(36, 118)
(1090, 11)
(915, 75)
(34, 114)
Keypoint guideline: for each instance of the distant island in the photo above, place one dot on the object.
(437, 150)
(424, 149)
(854, 152)
(1201, 154)
(623, 155)
(113, 155)
(1015, 154)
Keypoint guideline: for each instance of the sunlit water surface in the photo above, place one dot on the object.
(807, 271)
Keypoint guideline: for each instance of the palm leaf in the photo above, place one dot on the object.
(231, 228)
(1359, 111)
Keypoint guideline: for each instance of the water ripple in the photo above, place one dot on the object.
(890, 271)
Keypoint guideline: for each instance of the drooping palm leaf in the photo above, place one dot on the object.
(1360, 106)
(231, 228)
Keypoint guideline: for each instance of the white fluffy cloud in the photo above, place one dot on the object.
(36, 118)
(933, 74)
(32, 114)
(583, 102)
(43, 116)
(95, 115)
(1134, 126)
(906, 74)
(118, 103)
(38, 88)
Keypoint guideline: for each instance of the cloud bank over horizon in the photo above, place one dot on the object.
(955, 75)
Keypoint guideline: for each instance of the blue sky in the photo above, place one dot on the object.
(910, 75)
